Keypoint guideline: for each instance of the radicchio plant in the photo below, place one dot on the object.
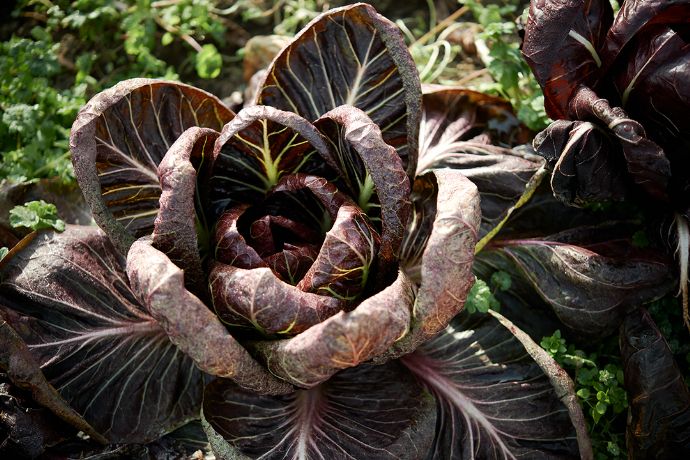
(617, 88)
(295, 272)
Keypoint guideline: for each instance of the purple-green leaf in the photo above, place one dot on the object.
(258, 298)
(373, 174)
(119, 138)
(175, 227)
(562, 45)
(256, 149)
(590, 276)
(189, 324)
(498, 394)
(588, 166)
(351, 56)
(369, 412)
(438, 251)
(67, 296)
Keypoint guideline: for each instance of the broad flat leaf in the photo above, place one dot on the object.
(453, 116)
(350, 56)
(472, 132)
(119, 138)
(590, 276)
(659, 420)
(588, 166)
(366, 412)
(181, 213)
(373, 174)
(562, 44)
(343, 340)
(256, 149)
(67, 296)
(438, 251)
(189, 324)
(18, 364)
(498, 394)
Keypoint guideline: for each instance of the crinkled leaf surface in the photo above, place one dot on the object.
(255, 150)
(498, 395)
(588, 166)
(373, 174)
(181, 213)
(343, 340)
(562, 45)
(635, 15)
(366, 412)
(190, 324)
(659, 420)
(590, 276)
(646, 161)
(118, 140)
(67, 296)
(353, 56)
(438, 251)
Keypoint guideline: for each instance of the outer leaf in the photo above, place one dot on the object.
(353, 56)
(659, 421)
(366, 412)
(588, 166)
(175, 227)
(255, 150)
(189, 324)
(363, 160)
(498, 394)
(651, 86)
(453, 116)
(344, 340)
(635, 15)
(67, 296)
(646, 161)
(19, 365)
(118, 140)
(589, 276)
(562, 45)
(438, 251)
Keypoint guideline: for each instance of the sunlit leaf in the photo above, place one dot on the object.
(498, 394)
(118, 140)
(366, 412)
(353, 56)
(68, 298)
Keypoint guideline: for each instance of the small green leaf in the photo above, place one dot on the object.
(583, 393)
(601, 407)
(167, 39)
(36, 215)
(208, 62)
(501, 281)
(3, 252)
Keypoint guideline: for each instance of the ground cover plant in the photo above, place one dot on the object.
(351, 264)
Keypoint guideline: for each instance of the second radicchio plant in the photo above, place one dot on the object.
(617, 88)
(293, 274)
